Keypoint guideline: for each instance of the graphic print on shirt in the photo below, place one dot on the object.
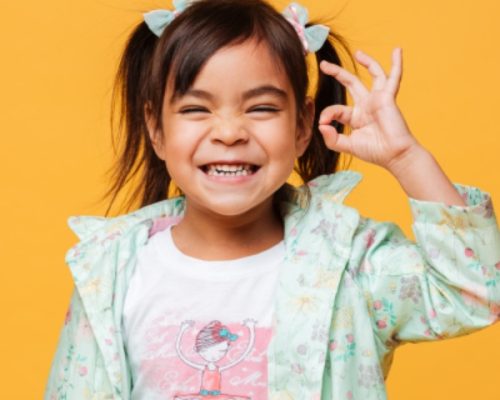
(212, 344)
(201, 360)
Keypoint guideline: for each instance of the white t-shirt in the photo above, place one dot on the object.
(199, 329)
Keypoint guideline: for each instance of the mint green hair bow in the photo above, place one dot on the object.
(312, 37)
(158, 20)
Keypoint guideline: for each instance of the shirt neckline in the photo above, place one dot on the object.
(262, 262)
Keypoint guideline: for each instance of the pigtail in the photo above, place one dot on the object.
(318, 159)
(136, 153)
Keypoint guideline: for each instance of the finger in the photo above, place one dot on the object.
(394, 80)
(377, 72)
(337, 112)
(335, 141)
(350, 81)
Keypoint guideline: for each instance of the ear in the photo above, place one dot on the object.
(154, 132)
(305, 128)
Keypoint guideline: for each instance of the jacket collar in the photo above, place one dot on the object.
(102, 264)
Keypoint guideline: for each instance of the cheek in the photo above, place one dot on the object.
(180, 142)
(277, 132)
(176, 155)
(281, 143)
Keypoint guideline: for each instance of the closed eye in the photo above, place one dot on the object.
(193, 110)
(265, 109)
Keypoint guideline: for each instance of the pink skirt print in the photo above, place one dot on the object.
(210, 389)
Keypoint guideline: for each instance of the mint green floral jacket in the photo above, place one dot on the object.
(353, 290)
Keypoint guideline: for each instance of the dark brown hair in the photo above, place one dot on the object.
(178, 56)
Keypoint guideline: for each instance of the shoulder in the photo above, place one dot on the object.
(334, 187)
(96, 233)
(84, 226)
(314, 213)
(322, 191)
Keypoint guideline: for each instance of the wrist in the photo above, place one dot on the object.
(412, 158)
(421, 177)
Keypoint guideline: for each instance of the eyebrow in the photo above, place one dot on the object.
(255, 92)
(265, 89)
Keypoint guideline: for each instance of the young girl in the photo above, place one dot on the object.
(245, 287)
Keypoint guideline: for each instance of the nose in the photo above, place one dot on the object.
(229, 131)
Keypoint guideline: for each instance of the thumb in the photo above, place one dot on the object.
(333, 140)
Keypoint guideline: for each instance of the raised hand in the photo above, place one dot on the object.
(187, 324)
(379, 133)
(250, 322)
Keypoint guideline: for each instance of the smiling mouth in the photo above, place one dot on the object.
(230, 169)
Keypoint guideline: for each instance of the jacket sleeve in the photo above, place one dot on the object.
(77, 370)
(446, 284)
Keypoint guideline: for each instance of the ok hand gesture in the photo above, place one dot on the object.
(379, 132)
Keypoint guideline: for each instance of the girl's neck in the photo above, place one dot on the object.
(208, 236)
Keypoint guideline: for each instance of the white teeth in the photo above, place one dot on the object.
(229, 170)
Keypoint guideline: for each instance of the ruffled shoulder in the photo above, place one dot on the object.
(96, 232)
(335, 187)
(84, 226)
(331, 188)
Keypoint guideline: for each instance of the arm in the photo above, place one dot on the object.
(446, 284)
(250, 324)
(77, 371)
(185, 325)
(421, 177)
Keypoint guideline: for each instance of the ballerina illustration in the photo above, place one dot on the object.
(212, 344)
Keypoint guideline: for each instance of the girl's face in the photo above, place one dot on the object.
(231, 141)
(215, 352)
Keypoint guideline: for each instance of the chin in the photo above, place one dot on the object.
(230, 210)
(234, 207)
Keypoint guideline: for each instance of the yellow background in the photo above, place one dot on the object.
(57, 63)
